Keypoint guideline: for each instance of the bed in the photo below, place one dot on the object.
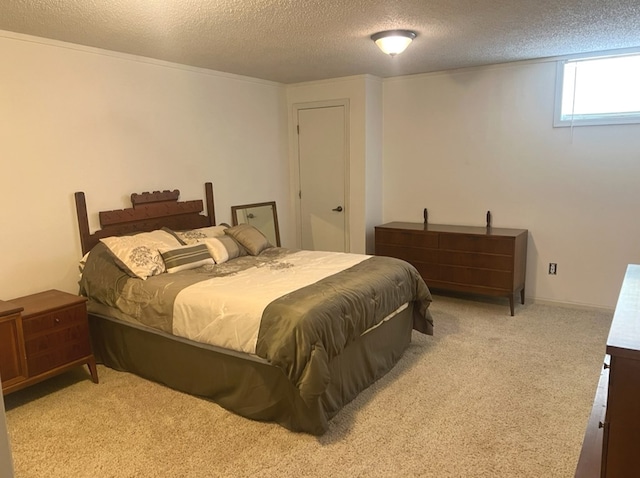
(269, 333)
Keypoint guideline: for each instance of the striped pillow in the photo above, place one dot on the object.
(186, 257)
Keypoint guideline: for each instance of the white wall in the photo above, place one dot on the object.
(460, 143)
(81, 119)
(464, 142)
(373, 155)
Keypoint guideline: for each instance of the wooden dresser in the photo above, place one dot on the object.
(611, 446)
(42, 335)
(479, 260)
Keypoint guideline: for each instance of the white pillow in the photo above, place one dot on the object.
(197, 235)
(186, 257)
(224, 248)
(139, 254)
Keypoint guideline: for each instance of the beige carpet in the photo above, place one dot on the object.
(489, 395)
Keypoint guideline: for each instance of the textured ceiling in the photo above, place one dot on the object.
(291, 41)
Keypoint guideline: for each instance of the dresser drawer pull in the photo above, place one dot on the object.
(602, 425)
(56, 320)
(606, 366)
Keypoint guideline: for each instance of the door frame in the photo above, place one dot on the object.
(344, 102)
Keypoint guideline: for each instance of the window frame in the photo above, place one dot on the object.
(588, 119)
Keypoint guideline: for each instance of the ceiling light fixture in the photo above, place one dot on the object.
(393, 42)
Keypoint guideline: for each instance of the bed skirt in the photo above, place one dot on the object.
(246, 384)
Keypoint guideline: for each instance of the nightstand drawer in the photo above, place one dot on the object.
(52, 358)
(56, 320)
(58, 338)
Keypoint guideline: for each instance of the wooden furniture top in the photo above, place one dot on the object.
(610, 440)
(9, 308)
(150, 211)
(46, 301)
(624, 335)
(475, 230)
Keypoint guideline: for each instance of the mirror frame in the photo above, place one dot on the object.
(235, 209)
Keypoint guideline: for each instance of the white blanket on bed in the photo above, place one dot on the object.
(226, 311)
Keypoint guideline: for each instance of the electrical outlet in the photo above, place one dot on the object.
(553, 268)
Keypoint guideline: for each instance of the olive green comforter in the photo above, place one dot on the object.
(301, 332)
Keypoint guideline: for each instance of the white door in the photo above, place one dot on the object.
(322, 163)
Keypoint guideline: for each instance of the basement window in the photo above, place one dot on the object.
(598, 91)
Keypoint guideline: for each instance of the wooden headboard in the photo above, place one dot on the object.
(150, 211)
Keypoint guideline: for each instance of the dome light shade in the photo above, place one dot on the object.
(393, 42)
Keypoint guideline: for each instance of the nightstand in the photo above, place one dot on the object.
(46, 333)
(13, 360)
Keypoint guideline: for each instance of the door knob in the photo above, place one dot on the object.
(337, 209)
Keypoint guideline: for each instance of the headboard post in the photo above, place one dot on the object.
(83, 221)
(209, 199)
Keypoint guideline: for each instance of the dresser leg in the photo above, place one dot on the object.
(522, 296)
(91, 363)
(511, 301)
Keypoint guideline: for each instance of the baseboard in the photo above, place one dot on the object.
(572, 305)
(527, 300)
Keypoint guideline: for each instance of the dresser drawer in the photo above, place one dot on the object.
(409, 254)
(622, 431)
(415, 239)
(55, 320)
(479, 277)
(468, 243)
(477, 260)
(429, 272)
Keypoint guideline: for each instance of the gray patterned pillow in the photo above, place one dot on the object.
(250, 238)
(139, 254)
(197, 235)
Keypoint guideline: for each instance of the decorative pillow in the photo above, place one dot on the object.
(224, 248)
(139, 254)
(83, 262)
(250, 238)
(186, 257)
(174, 234)
(197, 235)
